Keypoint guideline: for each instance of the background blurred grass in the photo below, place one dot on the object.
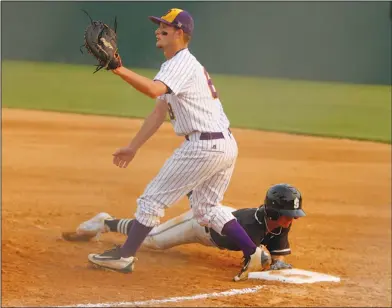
(315, 108)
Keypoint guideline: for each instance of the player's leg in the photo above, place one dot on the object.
(102, 223)
(206, 198)
(94, 226)
(206, 201)
(182, 229)
(177, 231)
(189, 166)
(206, 204)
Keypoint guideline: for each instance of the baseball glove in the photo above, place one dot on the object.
(101, 41)
(250, 265)
(266, 258)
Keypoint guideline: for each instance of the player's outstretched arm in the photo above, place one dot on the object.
(143, 84)
(123, 156)
(150, 125)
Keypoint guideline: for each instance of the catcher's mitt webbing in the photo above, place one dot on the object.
(101, 41)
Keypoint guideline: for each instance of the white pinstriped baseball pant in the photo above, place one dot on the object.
(202, 166)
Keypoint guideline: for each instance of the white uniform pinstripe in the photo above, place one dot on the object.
(192, 99)
(183, 229)
(203, 166)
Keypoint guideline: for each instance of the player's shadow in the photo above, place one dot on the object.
(194, 253)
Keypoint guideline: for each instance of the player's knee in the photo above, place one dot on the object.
(201, 214)
(151, 243)
(214, 217)
(148, 212)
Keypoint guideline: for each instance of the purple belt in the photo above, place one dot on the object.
(210, 136)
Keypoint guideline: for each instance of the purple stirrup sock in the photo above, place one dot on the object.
(136, 235)
(238, 235)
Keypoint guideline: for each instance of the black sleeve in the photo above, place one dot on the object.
(279, 244)
(245, 218)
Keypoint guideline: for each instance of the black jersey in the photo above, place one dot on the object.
(257, 231)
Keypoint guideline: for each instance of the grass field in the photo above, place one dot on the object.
(315, 108)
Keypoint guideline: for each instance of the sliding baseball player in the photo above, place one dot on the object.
(267, 225)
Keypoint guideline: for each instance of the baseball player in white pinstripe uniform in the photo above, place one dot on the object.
(204, 162)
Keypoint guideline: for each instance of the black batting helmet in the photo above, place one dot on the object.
(283, 200)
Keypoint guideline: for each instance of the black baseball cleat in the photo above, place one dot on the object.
(111, 260)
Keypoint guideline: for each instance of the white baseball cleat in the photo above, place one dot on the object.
(112, 260)
(259, 261)
(94, 226)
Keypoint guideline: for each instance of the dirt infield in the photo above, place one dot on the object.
(57, 171)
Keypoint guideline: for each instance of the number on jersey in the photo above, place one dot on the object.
(214, 93)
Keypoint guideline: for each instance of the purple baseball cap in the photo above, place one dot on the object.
(177, 18)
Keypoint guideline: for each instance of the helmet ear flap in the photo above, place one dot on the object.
(270, 213)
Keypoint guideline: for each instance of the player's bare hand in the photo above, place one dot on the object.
(116, 71)
(123, 156)
(278, 265)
